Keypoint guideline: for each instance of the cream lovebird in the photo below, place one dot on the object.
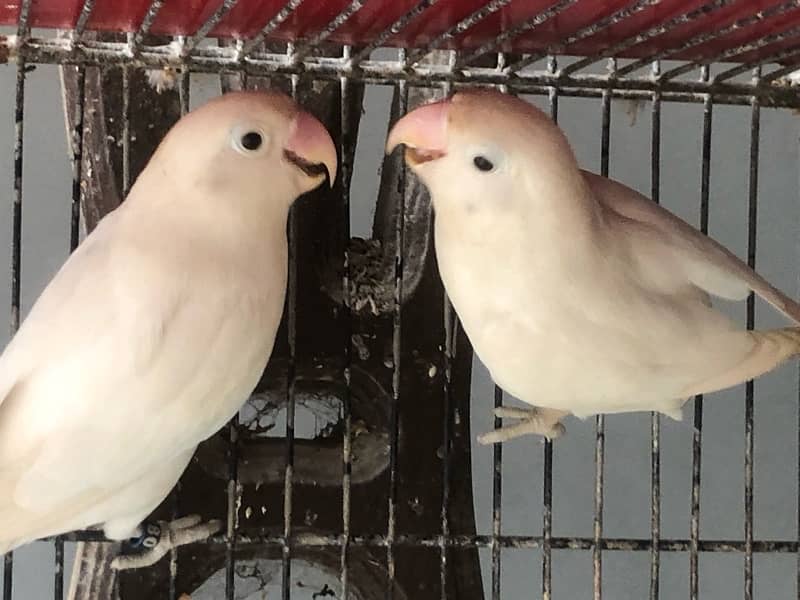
(158, 327)
(579, 294)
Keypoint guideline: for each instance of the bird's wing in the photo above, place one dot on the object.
(102, 381)
(707, 264)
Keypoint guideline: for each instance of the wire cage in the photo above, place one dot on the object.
(382, 498)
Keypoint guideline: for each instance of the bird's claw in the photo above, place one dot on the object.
(531, 420)
(159, 538)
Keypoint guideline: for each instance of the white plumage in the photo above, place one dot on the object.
(159, 325)
(579, 294)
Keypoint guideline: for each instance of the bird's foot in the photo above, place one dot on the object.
(539, 421)
(159, 538)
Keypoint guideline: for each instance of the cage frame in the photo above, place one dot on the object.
(187, 54)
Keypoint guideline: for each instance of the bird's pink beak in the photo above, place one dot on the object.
(310, 147)
(423, 131)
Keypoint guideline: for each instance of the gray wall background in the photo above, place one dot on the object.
(627, 487)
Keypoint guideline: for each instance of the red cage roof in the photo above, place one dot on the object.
(682, 20)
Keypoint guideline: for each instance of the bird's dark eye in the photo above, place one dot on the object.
(251, 140)
(482, 163)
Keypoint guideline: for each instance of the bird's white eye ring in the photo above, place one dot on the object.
(249, 141)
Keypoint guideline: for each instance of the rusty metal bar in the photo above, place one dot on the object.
(655, 31)
(712, 35)
(394, 408)
(697, 435)
(448, 351)
(225, 59)
(76, 161)
(789, 53)
(393, 29)
(134, 44)
(512, 33)
(275, 22)
(212, 21)
(583, 33)
(655, 419)
(291, 333)
(599, 453)
(732, 52)
(23, 31)
(497, 499)
(752, 223)
(611, 544)
(305, 47)
(451, 325)
(463, 25)
(83, 18)
(547, 468)
(346, 169)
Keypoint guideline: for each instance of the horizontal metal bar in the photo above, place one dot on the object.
(214, 59)
(484, 541)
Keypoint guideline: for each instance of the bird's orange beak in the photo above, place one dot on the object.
(423, 131)
(310, 147)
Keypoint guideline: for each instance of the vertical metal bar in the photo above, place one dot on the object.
(394, 409)
(752, 221)
(449, 353)
(126, 130)
(599, 448)
(184, 81)
(76, 145)
(497, 459)
(76, 162)
(291, 333)
(232, 457)
(58, 572)
(346, 169)
(547, 474)
(697, 436)
(655, 419)
(16, 222)
(450, 325)
(232, 516)
(497, 499)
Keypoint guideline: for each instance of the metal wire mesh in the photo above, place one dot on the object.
(517, 74)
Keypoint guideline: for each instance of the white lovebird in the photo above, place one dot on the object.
(158, 327)
(579, 294)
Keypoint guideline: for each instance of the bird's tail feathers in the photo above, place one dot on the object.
(769, 350)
